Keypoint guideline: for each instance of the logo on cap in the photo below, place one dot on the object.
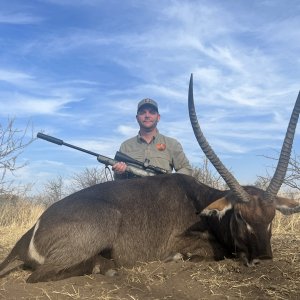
(147, 101)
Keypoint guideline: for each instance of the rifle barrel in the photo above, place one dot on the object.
(101, 158)
(59, 142)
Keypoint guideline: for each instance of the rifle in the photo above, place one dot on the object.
(133, 166)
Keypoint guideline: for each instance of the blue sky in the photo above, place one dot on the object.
(76, 69)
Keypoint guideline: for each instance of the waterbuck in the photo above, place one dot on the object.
(153, 218)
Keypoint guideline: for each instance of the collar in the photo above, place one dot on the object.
(141, 139)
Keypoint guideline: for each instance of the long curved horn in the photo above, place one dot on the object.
(233, 184)
(285, 154)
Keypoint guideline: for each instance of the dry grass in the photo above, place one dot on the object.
(16, 219)
(286, 224)
(20, 214)
(149, 273)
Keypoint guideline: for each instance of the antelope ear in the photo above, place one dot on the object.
(218, 207)
(287, 206)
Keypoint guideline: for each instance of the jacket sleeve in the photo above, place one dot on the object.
(180, 161)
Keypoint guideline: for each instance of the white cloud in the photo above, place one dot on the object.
(17, 78)
(127, 131)
(18, 18)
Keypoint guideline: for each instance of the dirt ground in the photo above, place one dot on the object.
(183, 280)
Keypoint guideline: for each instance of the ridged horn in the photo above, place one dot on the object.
(285, 154)
(233, 184)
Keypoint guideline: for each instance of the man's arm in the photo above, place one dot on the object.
(180, 162)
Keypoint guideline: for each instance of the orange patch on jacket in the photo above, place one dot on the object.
(161, 147)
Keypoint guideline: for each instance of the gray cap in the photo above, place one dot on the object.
(147, 101)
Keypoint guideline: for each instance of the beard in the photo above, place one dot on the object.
(148, 126)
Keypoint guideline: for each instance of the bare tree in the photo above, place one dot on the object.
(54, 190)
(263, 182)
(292, 178)
(57, 188)
(205, 174)
(89, 177)
(12, 143)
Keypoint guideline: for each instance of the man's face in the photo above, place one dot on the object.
(147, 117)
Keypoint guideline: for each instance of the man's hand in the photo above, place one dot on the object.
(119, 167)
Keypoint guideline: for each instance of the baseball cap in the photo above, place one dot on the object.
(147, 101)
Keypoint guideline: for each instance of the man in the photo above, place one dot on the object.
(150, 146)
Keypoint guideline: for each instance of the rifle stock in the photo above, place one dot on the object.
(134, 168)
(127, 159)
